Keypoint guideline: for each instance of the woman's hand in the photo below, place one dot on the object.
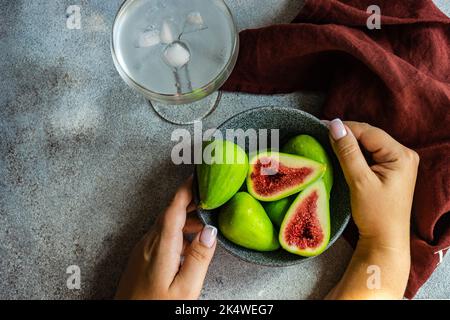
(381, 193)
(156, 269)
(381, 199)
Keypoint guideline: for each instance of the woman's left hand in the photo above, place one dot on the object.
(156, 269)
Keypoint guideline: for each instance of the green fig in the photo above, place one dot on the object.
(222, 175)
(244, 222)
(306, 227)
(277, 209)
(308, 147)
(273, 175)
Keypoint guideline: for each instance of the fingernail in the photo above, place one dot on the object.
(337, 129)
(208, 236)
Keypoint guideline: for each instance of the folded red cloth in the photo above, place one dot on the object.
(396, 78)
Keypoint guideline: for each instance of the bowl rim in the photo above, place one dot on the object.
(339, 231)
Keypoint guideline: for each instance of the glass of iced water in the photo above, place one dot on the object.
(177, 53)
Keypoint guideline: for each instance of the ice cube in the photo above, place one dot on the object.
(177, 55)
(148, 38)
(195, 18)
(194, 22)
(168, 32)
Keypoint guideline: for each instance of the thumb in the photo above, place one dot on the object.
(348, 152)
(196, 262)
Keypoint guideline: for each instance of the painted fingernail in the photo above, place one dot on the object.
(337, 129)
(208, 236)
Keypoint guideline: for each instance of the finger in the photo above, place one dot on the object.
(174, 217)
(192, 207)
(167, 250)
(147, 242)
(347, 150)
(186, 244)
(197, 257)
(193, 224)
(380, 144)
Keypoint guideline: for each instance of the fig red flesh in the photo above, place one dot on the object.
(306, 226)
(304, 230)
(284, 177)
(274, 175)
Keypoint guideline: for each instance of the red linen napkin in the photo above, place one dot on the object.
(396, 78)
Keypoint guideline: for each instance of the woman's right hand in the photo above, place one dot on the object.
(382, 193)
(381, 199)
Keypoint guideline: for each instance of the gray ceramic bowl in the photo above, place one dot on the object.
(290, 122)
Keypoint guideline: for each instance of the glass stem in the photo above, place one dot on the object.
(182, 80)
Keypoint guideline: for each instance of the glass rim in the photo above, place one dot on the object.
(183, 98)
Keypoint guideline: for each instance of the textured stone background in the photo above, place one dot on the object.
(85, 164)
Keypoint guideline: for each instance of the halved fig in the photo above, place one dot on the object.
(306, 226)
(274, 175)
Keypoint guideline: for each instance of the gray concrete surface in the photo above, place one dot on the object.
(85, 164)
